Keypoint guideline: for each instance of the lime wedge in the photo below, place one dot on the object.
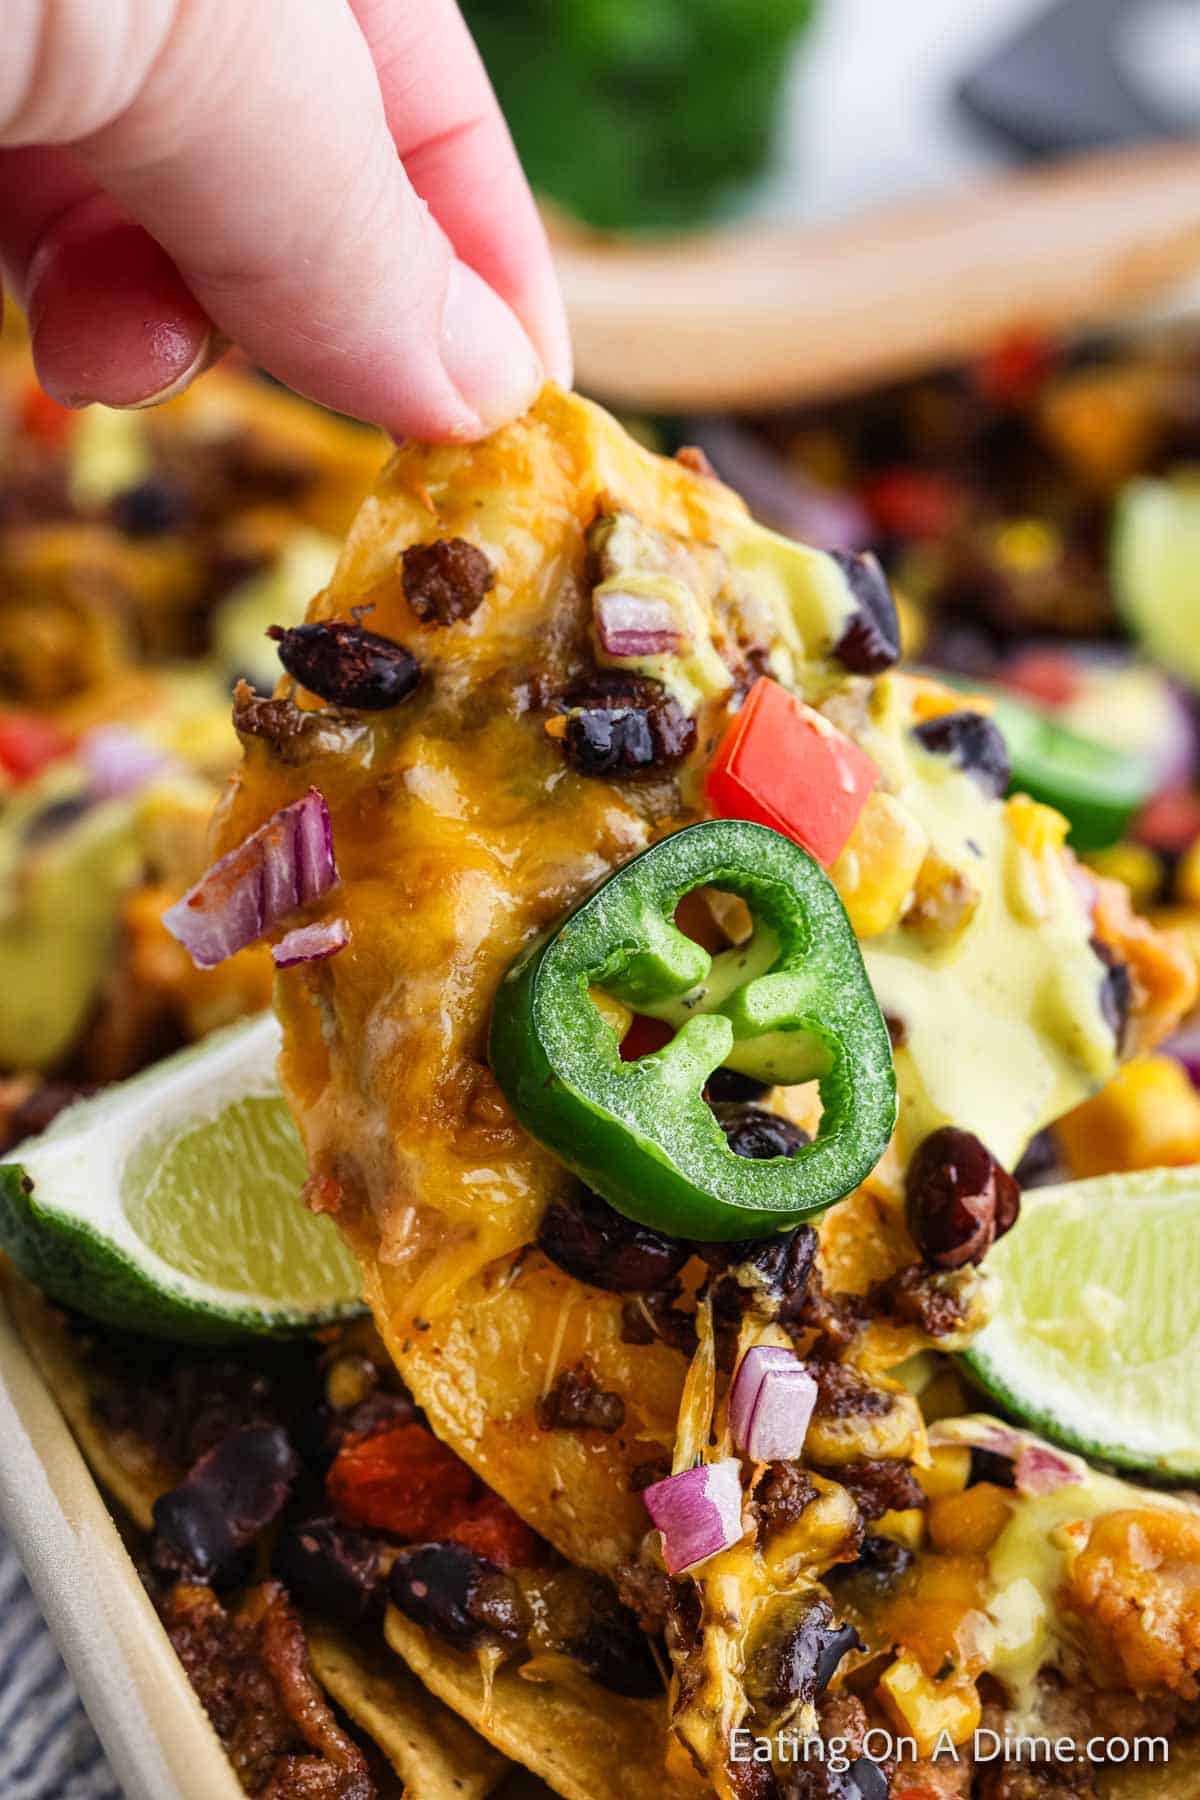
(1095, 1338)
(1156, 570)
(171, 1203)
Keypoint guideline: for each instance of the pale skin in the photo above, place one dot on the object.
(327, 183)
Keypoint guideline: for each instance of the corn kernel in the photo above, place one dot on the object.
(613, 1012)
(1136, 866)
(948, 1471)
(1187, 875)
(924, 1709)
(905, 1527)
(1147, 1117)
(1039, 829)
(877, 867)
(944, 898)
(933, 700)
(969, 1523)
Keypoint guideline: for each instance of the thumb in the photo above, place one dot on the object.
(250, 140)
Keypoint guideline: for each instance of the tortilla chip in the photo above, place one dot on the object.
(1178, 1779)
(134, 1481)
(582, 1740)
(435, 1755)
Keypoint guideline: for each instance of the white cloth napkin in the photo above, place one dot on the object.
(48, 1750)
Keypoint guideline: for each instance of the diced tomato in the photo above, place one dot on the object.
(44, 419)
(492, 1529)
(783, 765)
(1049, 676)
(1014, 372)
(912, 503)
(1170, 822)
(644, 1037)
(402, 1481)
(28, 741)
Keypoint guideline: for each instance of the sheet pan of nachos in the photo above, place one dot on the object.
(729, 1032)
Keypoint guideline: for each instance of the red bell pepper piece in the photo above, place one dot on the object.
(1170, 822)
(912, 503)
(28, 742)
(492, 1529)
(783, 765)
(1049, 676)
(402, 1480)
(1013, 373)
(644, 1037)
(44, 419)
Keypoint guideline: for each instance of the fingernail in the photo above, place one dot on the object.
(212, 347)
(485, 352)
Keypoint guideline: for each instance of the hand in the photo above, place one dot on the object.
(328, 183)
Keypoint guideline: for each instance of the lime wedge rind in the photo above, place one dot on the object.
(67, 1197)
(1095, 1338)
(1154, 565)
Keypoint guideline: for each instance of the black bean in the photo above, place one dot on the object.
(49, 821)
(973, 743)
(617, 1654)
(331, 1569)
(347, 665)
(993, 1466)
(1039, 1164)
(728, 1085)
(150, 509)
(621, 725)
(960, 1199)
(881, 1565)
(1116, 990)
(754, 1132)
(870, 1781)
(767, 1275)
(588, 1239)
(796, 1662)
(871, 640)
(203, 1526)
(447, 1589)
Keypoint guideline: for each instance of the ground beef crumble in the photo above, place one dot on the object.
(654, 1318)
(842, 1392)
(250, 1669)
(935, 1303)
(878, 1485)
(577, 1402)
(445, 581)
(781, 1496)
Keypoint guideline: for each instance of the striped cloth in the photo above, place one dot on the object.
(48, 1750)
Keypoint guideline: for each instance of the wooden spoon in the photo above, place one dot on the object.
(762, 315)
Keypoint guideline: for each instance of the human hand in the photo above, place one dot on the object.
(328, 183)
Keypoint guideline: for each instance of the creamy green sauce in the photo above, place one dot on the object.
(1004, 1028)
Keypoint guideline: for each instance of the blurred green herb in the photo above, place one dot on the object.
(639, 112)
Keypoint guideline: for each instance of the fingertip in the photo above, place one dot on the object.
(110, 316)
(490, 361)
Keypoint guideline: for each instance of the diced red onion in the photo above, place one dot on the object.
(1037, 1469)
(699, 1512)
(1040, 1470)
(309, 943)
(758, 1362)
(1185, 1048)
(985, 1434)
(280, 867)
(786, 1398)
(638, 624)
(119, 761)
(779, 494)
